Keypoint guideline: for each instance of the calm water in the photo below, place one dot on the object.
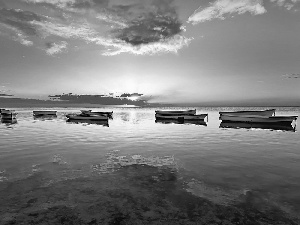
(223, 161)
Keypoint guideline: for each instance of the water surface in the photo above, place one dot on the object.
(219, 163)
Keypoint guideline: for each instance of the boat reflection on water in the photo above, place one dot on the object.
(44, 117)
(187, 122)
(84, 122)
(265, 126)
(9, 122)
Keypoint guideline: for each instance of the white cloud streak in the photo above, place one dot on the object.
(113, 46)
(16, 35)
(220, 8)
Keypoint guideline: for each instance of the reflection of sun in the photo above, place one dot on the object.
(133, 98)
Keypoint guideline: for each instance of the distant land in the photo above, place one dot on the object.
(128, 99)
(73, 100)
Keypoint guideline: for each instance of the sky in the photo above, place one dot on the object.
(217, 52)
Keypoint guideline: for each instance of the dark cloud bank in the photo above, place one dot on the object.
(130, 25)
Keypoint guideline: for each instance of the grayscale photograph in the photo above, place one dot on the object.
(149, 112)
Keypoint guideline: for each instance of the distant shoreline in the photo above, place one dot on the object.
(87, 105)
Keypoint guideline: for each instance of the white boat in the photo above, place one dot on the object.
(87, 117)
(89, 112)
(44, 112)
(180, 117)
(268, 112)
(176, 113)
(258, 119)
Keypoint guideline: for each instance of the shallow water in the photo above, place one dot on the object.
(214, 162)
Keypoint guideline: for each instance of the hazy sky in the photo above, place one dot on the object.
(184, 51)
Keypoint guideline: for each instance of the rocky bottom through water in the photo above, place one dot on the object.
(128, 190)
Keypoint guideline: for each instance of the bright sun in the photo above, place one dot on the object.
(133, 98)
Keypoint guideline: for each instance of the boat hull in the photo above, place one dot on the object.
(268, 112)
(6, 111)
(256, 119)
(81, 117)
(90, 113)
(177, 113)
(9, 115)
(180, 117)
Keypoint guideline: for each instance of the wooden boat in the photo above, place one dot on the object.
(258, 119)
(268, 112)
(187, 122)
(176, 113)
(86, 117)
(97, 122)
(265, 126)
(89, 112)
(180, 117)
(44, 112)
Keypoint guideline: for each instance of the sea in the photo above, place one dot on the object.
(136, 170)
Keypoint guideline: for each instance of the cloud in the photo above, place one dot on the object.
(221, 8)
(54, 48)
(288, 4)
(129, 26)
(19, 19)
(291, 76)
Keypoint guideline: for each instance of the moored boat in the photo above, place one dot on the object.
(268, 112)
(89, 112)
(176, 113)
(7, 111)
(258, 119)
(11, 115)
(87, 117)
(44, 113)
(180, 117)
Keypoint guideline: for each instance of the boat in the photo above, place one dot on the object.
(265, 126)
(176, 113)
(44, 113)
(86, 117)
(186, 122)
(6, 111)
(180, 117)
(89, 112)
(11, 115)
(258, 119)
(268, 112)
